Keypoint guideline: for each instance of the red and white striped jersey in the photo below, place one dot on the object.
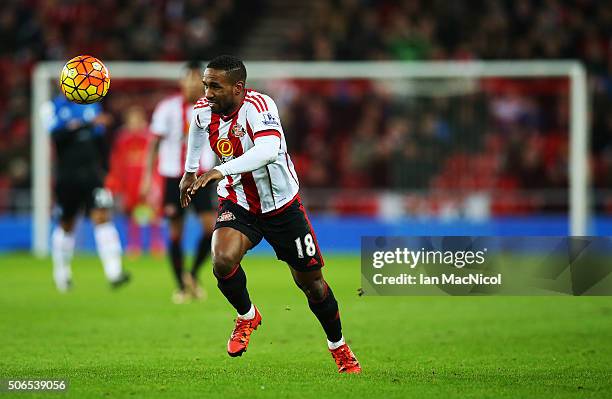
(262, 190)
(170, 121)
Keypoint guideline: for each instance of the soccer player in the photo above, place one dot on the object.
(126, 172)
(77, 131)
(259, 199)
(170, 127)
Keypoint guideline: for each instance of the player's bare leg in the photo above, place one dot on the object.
(175, 251)
(323, 304)
(207, 221)
(62, 249)
(109, 246)
(228, 248)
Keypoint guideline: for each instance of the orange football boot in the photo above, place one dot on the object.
(239, 340)
(345, 360)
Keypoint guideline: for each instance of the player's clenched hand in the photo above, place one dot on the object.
(188, 179)
(204, 179)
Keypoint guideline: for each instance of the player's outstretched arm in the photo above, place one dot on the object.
(202, 181)
(264, 152)
(185, 185)
(195, 143)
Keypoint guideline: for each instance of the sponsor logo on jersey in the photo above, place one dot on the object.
(238, 130)
(225, 148)
(226, 217)
(270, 120)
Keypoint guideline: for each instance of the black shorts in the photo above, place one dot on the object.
(204, 200)
(289, 232)
(73, 196)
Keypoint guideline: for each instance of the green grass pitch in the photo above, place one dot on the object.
(136, 343)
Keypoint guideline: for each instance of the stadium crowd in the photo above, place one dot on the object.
(441, 30)
(148, 30)
(506, 136)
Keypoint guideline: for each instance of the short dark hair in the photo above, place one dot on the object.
(233, 66)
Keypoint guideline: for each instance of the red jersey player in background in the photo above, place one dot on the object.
(259, 199)
(127, 165)
(170, 127)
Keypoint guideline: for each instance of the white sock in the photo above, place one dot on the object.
(62, 248)
(248, 315)
(335, 345)
(109, 249)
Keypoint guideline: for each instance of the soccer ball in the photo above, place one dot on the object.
(84, 80)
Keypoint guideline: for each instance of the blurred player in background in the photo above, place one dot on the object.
(127, 164)
(78, 134)
(259, 199)
(170, 127)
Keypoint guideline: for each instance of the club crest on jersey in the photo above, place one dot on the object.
(270, 120)
(237, 130)
(226, 217)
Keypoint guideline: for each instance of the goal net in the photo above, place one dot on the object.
(388, 140)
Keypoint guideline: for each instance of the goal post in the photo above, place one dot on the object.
(46, 73)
